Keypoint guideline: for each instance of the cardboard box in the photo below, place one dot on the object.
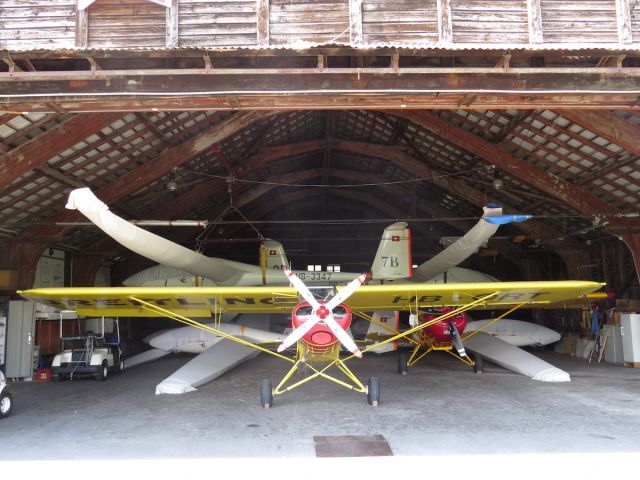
(628, 304)
(8, 279)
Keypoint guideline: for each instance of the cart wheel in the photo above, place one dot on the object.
(373, 391)
(478, 366)
(402, 363)
(266, 394)
(103, 373)
(6, 404)
(121, 366)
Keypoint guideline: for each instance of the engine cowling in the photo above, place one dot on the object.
(320, 337)
(440, 332)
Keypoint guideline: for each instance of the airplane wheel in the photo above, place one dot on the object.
(373, 391)
(6, 404)
(402, 363)
(266, 394)
(478, 366)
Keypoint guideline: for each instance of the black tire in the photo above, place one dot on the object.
(478, 366)
(6, 404)
(266, 394)
(402, 363)
(120, 367)
(103, 373)
(373, 391)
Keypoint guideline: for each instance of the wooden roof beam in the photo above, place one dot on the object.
(31, 155)
(574, 196)
(135, 179)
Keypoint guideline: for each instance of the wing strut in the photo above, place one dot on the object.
(446, 316)
(192, 323)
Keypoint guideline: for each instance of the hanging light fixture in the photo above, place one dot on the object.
(172, 184)
(497, 182)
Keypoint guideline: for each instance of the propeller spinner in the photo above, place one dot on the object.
(331, 314)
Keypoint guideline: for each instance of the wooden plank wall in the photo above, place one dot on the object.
(217, 22)
(121, 23)
(579, 21)
(36, 24)
(400, 21)
(318, 21)
(489, 21)
(27, 24)
(634, 8)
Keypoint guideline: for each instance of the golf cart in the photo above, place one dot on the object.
(90, 353)
(6, 399)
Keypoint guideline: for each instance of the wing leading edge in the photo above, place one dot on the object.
(204, 301)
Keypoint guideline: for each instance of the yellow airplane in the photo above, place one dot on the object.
(320, 315)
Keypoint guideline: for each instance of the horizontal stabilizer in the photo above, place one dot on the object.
(515, 359)
(462, 249)
(505, 219)
(208, 365)
(144, 357)
(515, 332)
(152, 246)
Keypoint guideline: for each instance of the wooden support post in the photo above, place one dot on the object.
(263, 22)
(535, 21)
(623, 14)
(84, 270)
(445, 27)
(633, 242)
(23, 257)
(82, 28)
(355, 21)
(172, 25)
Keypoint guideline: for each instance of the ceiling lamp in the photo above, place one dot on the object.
(497, 182)
(172, 184)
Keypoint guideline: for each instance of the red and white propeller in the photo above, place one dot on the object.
(322, 312)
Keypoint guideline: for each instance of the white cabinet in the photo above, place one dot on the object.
(630, 337)
(613, 347)
(3, 336)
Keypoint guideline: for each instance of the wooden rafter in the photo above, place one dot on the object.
(574, 196)
(151, 170)
(30, 155)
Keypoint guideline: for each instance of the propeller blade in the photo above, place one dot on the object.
(343, 336)
(302, 289)
(346, 292)
(457, 340)
(298, 333)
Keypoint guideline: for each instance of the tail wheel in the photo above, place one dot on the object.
(6, 404)
(266, 394)
(373, 391)
(478, 365)
(104, 371)
(402, 363)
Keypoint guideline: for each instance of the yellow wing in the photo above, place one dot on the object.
(205, 301)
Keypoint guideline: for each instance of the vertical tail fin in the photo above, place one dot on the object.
(377, 332)
(272, 254)
(393, 258)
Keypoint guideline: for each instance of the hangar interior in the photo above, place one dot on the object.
(318, 124)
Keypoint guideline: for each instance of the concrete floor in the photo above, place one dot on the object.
(441, 410)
